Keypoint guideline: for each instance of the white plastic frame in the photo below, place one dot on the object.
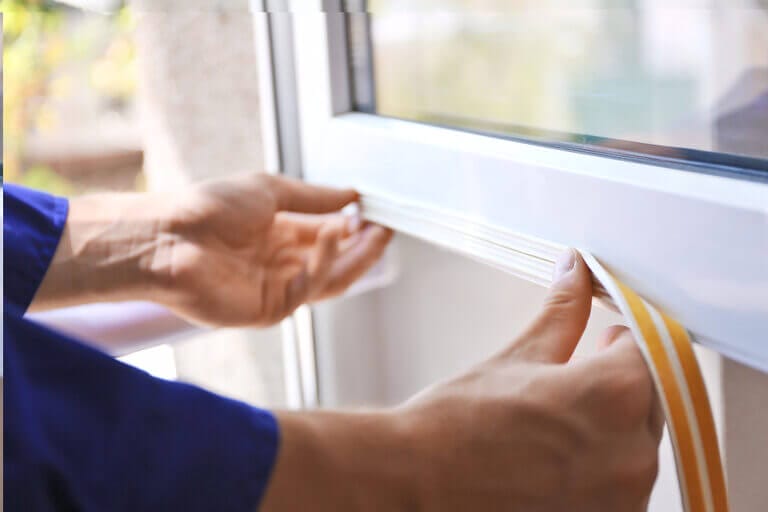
(696, 245)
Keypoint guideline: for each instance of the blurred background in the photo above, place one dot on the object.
(70, 99)
(148, 95)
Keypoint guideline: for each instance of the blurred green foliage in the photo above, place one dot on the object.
(26, 66)
(43, 178)
(39, 50)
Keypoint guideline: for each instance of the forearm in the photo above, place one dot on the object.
(330, 461)
(114, 247)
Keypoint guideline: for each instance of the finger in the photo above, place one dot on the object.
(610, 335)
(306, 227)
(554, 334)
(320, 265)
(623, 356)
(656, 420)
(626, 354)
(364, 250)
(298, 196)
(317, 271)
(630, 355)
(622, 351)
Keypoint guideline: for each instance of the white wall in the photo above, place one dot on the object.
(745, 403)
(445, 312)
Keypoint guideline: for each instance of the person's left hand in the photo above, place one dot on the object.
(250, 250)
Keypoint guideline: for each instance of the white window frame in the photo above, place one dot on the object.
(694, 244)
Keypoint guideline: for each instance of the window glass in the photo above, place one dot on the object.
(676, 78)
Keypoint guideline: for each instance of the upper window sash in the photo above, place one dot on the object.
(693, 244)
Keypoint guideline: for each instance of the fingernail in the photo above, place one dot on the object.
(564, 264)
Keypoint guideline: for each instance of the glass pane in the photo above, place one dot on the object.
(675, 78)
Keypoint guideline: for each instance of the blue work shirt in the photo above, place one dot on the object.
(86, 432)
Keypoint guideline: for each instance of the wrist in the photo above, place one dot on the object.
(343, 461)
(113, 248)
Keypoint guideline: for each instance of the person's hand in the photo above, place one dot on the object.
(526, 430)
(250, 250)
(237, 251)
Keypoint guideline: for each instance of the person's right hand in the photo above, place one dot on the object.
(526, 430)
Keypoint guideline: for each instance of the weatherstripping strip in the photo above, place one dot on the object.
(704, 420)
(666, 347)
(669, 344)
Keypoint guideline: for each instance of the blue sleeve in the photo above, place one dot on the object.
(32, 226)
(86, 432)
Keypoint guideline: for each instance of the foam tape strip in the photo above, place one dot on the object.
(667, 350)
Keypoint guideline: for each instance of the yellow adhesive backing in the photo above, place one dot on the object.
(667, 350)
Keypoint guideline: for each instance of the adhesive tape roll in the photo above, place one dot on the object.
(667, 349)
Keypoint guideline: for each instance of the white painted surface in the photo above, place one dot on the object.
(695, 245)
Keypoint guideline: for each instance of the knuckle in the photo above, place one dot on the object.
(268, 186)
(266, 180)
(638, 475)
(559, 296)
(559, 302)
(628, 385)
(293, 239)
(631, 404)
(273, 315)
(620, 399)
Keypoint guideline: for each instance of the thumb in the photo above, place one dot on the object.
(554, 334)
